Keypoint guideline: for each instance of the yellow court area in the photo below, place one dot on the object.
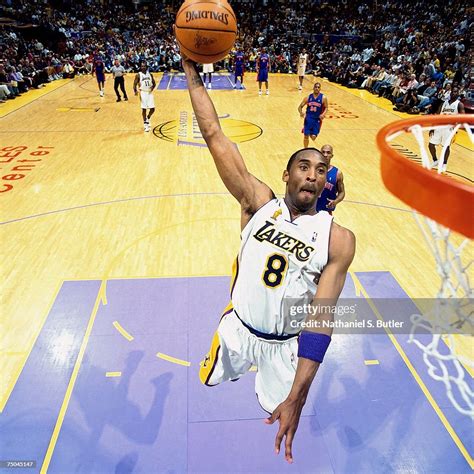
(87, 194)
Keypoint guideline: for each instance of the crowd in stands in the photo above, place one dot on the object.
(407, 51)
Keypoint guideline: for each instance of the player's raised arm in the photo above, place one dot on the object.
(314, 342)
(248, 190)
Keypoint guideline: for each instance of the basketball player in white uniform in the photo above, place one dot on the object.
(302, 60)
(289, 256)
(443, 135)
(145, 83)
(208, 69)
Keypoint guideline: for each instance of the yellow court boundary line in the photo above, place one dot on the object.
(18, 371)
(416, 376)
(174, 360)
(122, 331)
(72, 382)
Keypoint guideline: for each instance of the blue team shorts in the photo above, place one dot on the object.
(239, 70)
(311, 126)
(262, 75)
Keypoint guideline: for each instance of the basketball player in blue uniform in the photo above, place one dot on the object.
(316, 109)
(334, 191)
(289, 255)
(263, 67)
(98, 69)
(239, 67)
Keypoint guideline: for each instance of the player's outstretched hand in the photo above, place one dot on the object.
(288, 413)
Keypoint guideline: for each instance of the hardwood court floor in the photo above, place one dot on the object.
(93, 197)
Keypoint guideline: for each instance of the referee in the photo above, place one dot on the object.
(118, 72)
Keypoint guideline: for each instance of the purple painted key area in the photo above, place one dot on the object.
(157, 417)
(177, 81)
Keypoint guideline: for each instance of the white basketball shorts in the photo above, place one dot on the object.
(206, 68)
(147, 100)
(234, 350)
(441, 136)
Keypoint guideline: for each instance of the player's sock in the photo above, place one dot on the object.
(268, 92)
(260, 92)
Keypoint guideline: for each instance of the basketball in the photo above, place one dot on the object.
(206, 30)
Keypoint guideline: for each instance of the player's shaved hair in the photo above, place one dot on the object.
(294, 156)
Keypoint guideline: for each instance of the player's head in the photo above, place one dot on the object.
(143, 66)
(317, 87)
(328, 152)
(117, 62)
(305, 177)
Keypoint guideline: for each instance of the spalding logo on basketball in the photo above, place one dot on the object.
(205, 30)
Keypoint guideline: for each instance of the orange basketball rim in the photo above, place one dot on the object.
(442, 199)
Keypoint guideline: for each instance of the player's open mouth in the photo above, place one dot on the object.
(308, 191)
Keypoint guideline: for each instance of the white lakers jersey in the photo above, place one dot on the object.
(146, 83)
(279, 264)
(302, 59)
(450, 109)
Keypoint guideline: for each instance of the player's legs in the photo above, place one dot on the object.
(301, 82)
(116, 88)
(432, 148)
(122, 87)
(437, 137)
(259, 87)
(229, 355)
(101, 85)
(209, 86)
(145, 121)
(305, 141)
(276, 368)
(266, 87)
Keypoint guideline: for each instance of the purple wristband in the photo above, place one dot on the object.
(313, 345)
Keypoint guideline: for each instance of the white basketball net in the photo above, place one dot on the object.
(449, 357)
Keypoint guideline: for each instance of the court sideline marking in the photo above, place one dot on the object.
(415, 374)
(159, 196)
